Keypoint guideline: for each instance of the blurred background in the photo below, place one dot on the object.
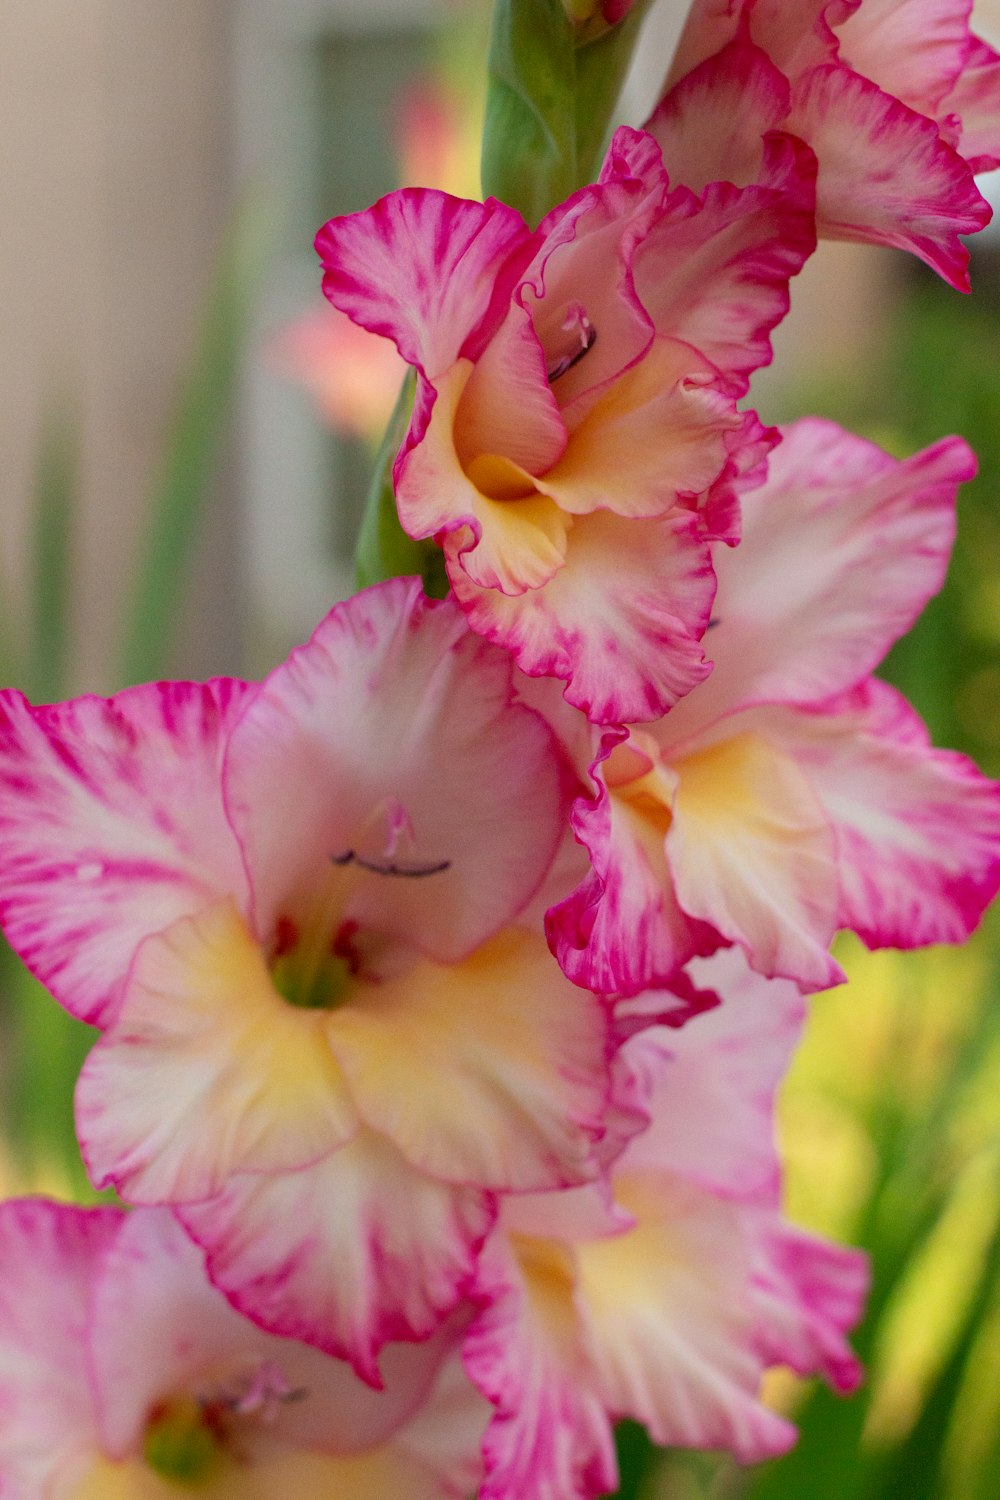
(187, 433)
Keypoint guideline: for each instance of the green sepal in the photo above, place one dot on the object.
(551, 88)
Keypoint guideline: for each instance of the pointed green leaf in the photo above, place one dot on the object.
(916, 1468)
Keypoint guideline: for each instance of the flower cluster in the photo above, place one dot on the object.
(446, 978)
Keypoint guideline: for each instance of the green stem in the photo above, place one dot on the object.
(384, 550)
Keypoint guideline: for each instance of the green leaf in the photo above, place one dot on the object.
(188, 469)
(637, 1458)
(551, 88)
(48, 1050)
(916, 1468)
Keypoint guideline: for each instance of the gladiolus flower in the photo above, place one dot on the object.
(899, 100)
(575, 439)
(291, 908)
(124, 1373)
(791, 794)
(667, 1304)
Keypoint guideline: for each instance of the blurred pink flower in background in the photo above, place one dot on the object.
(353, 376)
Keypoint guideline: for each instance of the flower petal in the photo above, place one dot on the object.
(622, 930)
(710, 26)
(160, 1327)
(801, 613)
(746, 467)
(347, 1254)
(507, 406)
(111, 827)
(657, 434)
(975, 102)
(49, 1256)
(797, 34)
(502, 1039)
(471, 456)
(715, 1080)
(810, 1293)
(917, 829)
(395, 704)
(207, 1071)
(714, 271)
(585, 264)
(621, 623)
(914, 49)
(429, 271)
(276, 1470)
(752, 853)
(669, 1325)
(711, 125)
(446, 1433)
(550, 1435)
(511, 537)
(885, 174)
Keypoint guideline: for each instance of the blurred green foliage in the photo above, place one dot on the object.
(44, 1047)
(941, 374)
(893, 1106)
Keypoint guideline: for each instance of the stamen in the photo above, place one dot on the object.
(410, 869)
(577, 323)
(263, 1390)
(399, 828)
(315, 959)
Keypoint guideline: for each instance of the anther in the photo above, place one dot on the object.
(577, 323)
(410, 869)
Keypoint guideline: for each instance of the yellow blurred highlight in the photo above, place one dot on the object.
(43, 1178)
(881, 1049)
(922, 1320)
(886, 1036)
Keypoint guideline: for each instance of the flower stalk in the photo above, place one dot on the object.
(553, 79)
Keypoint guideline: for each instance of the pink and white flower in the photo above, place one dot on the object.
(292, 909)
(899, 100)
(124, 1373)
(666, 1303)
(790, 794)
(575, 439)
